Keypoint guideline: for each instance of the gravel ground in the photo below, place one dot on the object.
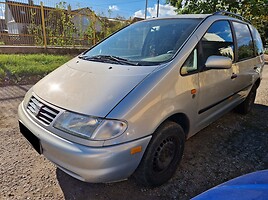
(232, 146)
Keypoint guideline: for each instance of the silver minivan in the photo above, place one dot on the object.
(127, 105)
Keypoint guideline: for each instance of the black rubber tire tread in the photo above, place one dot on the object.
(146, 173)
(246, 106)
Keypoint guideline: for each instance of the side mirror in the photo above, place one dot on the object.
(218, 62)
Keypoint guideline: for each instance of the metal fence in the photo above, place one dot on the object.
(29, 24)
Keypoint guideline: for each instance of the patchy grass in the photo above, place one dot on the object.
(31, 64)
(2, 74)
(18, 67)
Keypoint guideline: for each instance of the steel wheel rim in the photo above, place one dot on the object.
(164, 154)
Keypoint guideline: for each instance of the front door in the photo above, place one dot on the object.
(216, 85)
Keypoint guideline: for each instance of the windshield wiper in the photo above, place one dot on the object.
(108, 58)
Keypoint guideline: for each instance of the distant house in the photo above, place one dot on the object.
(113, 24)
(85, 18)
(136, 19)
(3, 26)
(113, 21)
(19, 16)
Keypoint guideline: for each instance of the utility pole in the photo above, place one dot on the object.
(146, 5)
(157, 8)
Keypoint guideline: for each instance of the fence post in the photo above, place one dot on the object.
(43, 24)
(94, 28)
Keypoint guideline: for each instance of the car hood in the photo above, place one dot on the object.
(247, 187)
(90, 88)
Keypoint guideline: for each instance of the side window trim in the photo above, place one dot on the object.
(201, 56)
(253, 41)
(234, 41)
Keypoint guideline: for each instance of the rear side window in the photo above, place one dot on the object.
(218, 40)
(244, 41)
(257, 41)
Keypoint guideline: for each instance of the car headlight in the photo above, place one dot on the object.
(89, 127)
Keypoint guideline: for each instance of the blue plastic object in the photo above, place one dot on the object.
(253, 186)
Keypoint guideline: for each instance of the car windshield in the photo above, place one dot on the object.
(144, 43)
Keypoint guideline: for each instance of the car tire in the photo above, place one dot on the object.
(162, 155)
(246, 106)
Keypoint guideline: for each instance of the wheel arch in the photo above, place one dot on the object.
(182, 120)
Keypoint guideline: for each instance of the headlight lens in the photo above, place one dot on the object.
(109, 129)
(88, 127)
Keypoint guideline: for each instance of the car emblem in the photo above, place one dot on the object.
(37, 110)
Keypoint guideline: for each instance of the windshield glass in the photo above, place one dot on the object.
(143, 43)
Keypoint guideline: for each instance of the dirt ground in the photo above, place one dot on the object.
(232, 146)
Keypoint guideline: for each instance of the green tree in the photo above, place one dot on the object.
(254, 10)
(59, 26)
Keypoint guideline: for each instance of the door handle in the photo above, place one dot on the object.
(233, 76)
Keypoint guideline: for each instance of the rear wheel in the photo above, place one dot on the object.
(246, 106)
(162, 155)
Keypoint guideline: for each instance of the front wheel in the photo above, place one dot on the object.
(246, 106)
(162, 155)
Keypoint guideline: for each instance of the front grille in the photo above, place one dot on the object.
(41, 111)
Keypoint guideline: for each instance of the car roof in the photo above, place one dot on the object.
(184, 16)
(221, 14)
(198, 16)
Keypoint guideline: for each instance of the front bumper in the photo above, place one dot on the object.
(90, 164)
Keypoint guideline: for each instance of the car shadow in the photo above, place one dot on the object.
(233, 145)
(75, 189)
